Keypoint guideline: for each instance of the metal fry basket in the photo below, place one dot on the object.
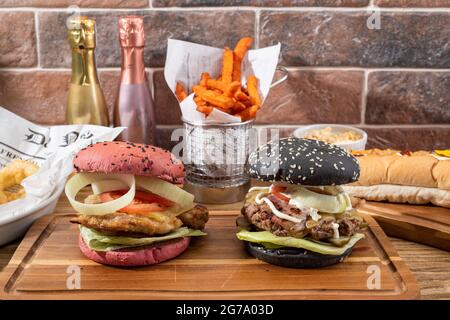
(215, 157)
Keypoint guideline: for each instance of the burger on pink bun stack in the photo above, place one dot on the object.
(137, 214)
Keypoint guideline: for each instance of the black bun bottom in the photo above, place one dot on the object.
(294, 258)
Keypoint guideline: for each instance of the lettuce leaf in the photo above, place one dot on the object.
(270, 240)
(100, 242)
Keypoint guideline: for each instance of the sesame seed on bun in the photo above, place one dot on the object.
(130, 158)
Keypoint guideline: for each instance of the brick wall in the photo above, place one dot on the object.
(393, 82)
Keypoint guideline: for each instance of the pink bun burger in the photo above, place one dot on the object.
(137, 214)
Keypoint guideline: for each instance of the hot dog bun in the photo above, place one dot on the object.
(415, 177)
(417, 169)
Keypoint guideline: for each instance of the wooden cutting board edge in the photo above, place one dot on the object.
(425, 231)
(34, 237)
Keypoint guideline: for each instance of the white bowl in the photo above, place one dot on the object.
(14, 227)
(336, 128)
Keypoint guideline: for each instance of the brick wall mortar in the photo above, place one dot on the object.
(243, 8)
(38, 48)
(257, 27)
(364, 98)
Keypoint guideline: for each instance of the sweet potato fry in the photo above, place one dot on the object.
(217, 100)
(239, 52)
(199, 101)
(226, 93)
(204, 77)
(232, 88)
(252, 87)
(227, 66)
(244, 98)
(238, 107)
(180, 92)
(205, 109)
(248, 113)
(216, 84)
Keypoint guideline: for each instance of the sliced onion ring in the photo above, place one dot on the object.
(167, 190)
(183, 200)
(81, 180)
(337, 203)
(108, 185)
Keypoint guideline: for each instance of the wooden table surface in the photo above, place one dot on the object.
(430, 266)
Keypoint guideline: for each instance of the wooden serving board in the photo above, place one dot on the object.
(214, 267)
(429, 225)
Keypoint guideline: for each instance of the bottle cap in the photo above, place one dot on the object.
(81, 32)
(131, 31)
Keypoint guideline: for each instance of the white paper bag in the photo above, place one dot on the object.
(185, 61)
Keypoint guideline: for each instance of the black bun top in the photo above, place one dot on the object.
(303, 161)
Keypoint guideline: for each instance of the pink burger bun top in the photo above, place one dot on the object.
(130, 158)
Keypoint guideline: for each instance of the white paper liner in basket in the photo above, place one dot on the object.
(185, 61)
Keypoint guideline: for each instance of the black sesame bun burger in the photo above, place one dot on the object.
(304, 219)
(136, 213)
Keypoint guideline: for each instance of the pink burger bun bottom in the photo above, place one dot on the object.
(137, 256)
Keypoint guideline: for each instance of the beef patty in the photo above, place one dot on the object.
(261, 216)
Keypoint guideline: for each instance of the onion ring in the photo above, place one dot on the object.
(107, 185)
(81, 180)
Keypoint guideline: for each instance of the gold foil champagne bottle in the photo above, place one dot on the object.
(86, 103)
(134, 104)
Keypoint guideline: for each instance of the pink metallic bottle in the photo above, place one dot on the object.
(134, 104)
